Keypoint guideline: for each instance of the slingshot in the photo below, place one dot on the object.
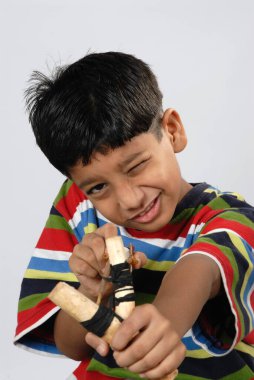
(97, 318)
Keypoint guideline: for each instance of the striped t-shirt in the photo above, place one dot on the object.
(217, 224)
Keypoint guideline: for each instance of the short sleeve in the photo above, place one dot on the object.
(227, 319)
(70, 216)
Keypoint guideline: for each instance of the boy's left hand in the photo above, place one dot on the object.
(146, 343)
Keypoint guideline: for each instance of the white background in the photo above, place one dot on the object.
(202, 54)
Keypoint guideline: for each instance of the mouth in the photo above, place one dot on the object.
(149, 213)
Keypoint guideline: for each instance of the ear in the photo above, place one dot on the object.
(174, 129)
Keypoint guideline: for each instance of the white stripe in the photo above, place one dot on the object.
(221, 230)
(36, 324)
(53, 255)
(86, 204)
(39, 352)
(162, 243)
(81, 207)
(223, 277)
(165, 243)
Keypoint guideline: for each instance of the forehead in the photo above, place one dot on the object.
(114, 158)
(130, 150)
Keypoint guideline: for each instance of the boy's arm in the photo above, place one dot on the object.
(186, 288)
(69, 337)
(158, 349)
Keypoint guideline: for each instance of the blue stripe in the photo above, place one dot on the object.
(210, 344)
(50, 348)
(153, 252)
(49, 265)
(190, 344)
(87, 216)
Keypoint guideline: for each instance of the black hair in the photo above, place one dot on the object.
(93, 105)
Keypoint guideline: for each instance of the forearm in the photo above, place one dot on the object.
(185, 289)
(69, 337)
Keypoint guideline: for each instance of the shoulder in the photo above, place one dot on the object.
(70, 200)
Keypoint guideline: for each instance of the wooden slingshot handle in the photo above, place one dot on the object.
(82, 309)
(78, 306)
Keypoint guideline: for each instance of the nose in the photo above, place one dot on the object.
(129, 197)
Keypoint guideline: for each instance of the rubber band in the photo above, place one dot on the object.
(120, 275)
(101, 321)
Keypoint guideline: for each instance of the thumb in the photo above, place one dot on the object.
(97, 343)
(140, 260)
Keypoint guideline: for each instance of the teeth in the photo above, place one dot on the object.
(147, 209)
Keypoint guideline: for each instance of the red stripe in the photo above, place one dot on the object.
(28, 318)
(68, 204)
(173, 231)
(228, 271)
(205, 214)
(56, 240)
(249, 338)
(170, 231)
(242, 230)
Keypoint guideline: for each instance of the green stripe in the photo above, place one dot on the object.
(163, 266)
(141, 298)
(218, 203)
(243, 374)
(31, 301)
(58, 223)
(63, 191)
(183, 215)
(237, 241)
(238, 217)
(183, 376)
(95, 365)
(230, 256)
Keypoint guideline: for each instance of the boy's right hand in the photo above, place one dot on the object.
(89, 261)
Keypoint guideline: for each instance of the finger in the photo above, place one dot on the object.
(83, 261)
(168, 365)
(139, 261)
(97, 343)
(98, 247)
(110, 230)
(135, 352)
(139, 318)
(90, 287)
(156, 353)
(148, 348)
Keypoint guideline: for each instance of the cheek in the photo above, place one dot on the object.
(108, 208)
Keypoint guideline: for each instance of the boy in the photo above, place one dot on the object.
(100, 122)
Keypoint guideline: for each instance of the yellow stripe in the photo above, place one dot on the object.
(41, 274)
(236, 240)
(218, 193)
(243, 347)
(159, 265)
(91, 227)
(210, 191)
(198, 354)
(202, 354)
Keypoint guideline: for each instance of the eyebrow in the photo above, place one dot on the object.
(130, 158)
(89, 180)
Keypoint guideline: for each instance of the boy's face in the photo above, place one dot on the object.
(137, 185)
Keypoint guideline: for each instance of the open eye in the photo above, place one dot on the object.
(96, 189)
